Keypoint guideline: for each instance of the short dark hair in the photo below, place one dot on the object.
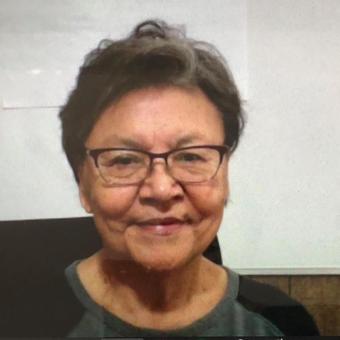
(154, 54)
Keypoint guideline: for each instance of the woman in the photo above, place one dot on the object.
(148, 131)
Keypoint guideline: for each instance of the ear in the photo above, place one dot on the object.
(84, 200)
(83, 191)
(226, 184)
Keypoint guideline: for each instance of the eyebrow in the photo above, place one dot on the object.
(127, 142)
(183, 141)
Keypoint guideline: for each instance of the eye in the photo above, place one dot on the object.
(189, 157)
(124, 160)
(119, 160)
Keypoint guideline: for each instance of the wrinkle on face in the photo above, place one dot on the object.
(156, 120)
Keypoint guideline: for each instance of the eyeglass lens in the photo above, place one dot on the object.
(130, 166)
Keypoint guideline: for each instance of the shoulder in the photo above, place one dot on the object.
(288, 315)
(43, 306)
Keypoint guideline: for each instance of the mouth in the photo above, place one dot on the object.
(163, 226)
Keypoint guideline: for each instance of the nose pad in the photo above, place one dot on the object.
(159, 163)
(159, 184)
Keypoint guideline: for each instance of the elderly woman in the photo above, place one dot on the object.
(148, 131)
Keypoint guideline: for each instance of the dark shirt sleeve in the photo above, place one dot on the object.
(285, 313)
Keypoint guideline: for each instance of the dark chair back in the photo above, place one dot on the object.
(34, 297)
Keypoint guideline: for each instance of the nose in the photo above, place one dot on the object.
(160, 187)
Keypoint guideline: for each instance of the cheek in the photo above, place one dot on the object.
(112, 202)
(209, 201)
(103, 201)
(209, 198)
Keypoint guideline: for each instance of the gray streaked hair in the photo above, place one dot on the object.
(153, 55)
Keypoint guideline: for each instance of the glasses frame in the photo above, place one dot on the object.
(222, 150)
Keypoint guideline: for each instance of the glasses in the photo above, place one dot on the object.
(123, 166)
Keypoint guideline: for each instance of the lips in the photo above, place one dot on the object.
(162, 226)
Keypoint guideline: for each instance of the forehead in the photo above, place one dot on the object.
(159, 117)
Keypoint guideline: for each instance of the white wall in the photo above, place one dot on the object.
(283, 215)
(285, 209)
(42, 44)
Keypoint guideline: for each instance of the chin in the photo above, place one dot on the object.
(162, 258)
(160, 266)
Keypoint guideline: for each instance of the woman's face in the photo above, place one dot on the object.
(159, 223)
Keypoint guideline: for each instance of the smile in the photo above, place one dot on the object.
(163, 226)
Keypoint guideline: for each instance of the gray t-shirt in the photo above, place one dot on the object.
(228, 318)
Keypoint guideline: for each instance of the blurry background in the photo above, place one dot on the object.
(284, 211)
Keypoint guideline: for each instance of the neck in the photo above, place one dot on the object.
(154, 290)
(160, 300)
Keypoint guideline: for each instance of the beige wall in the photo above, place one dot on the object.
(319, 294)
